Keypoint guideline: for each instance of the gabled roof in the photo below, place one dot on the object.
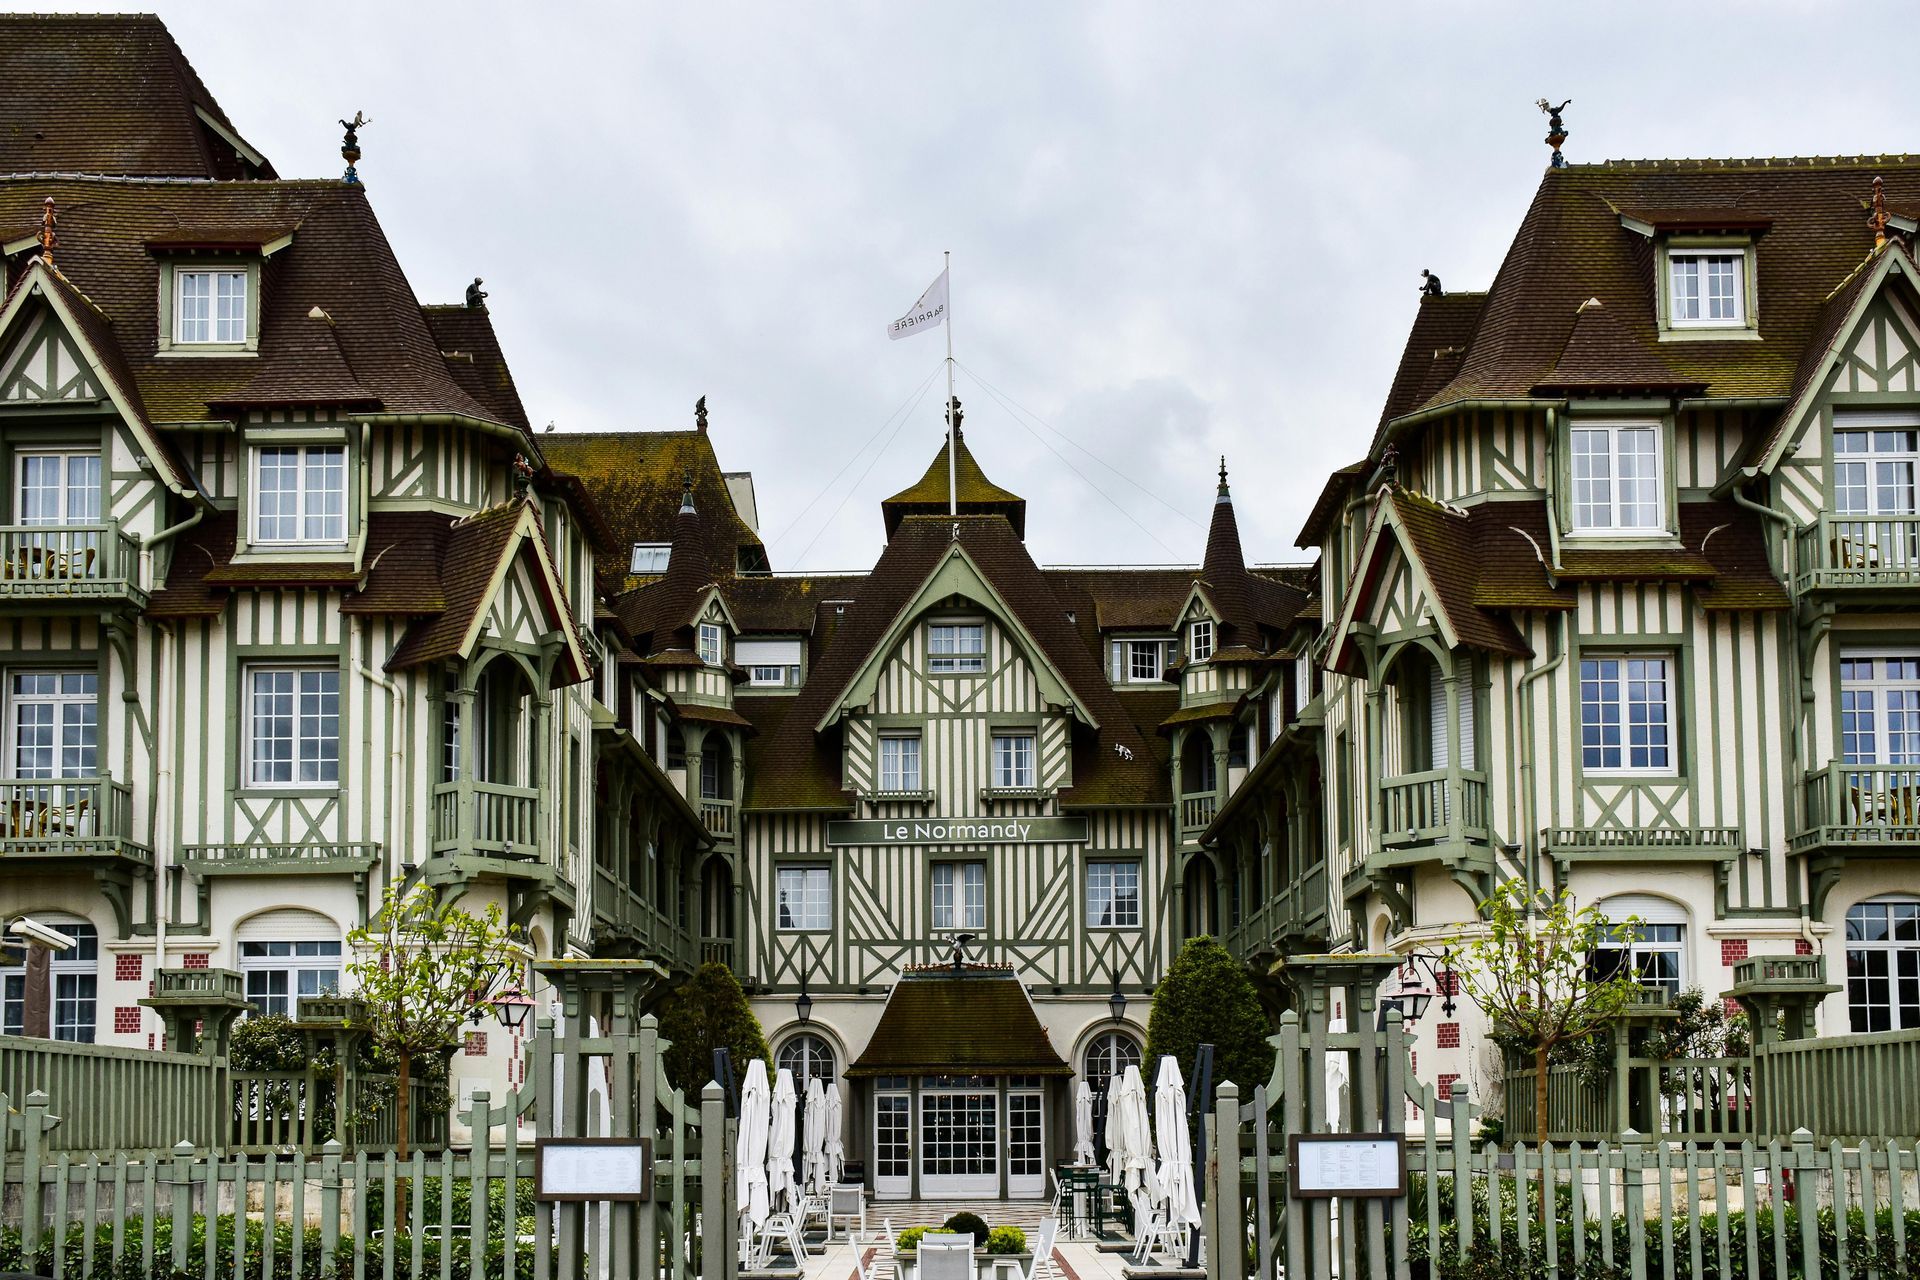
(372, 345)
(113, 94)
(480, 549)
(635, 478)
(959, 1021)
(975, 494)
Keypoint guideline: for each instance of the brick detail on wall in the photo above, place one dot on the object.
(1732, 950)
(128, 968)
(195, 960)
(1446, 1083)
(126, 1020)
(1447, 1035)
(1801, 947)
(1731, 1005)
(476, 1045)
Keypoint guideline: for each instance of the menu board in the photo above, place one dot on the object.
(593, 1169)
(1325, 1165)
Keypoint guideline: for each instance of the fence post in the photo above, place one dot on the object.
(1227, 1210)
(33, 1151)
(1462, 1177)
(716, 1214)
(329, 1201)
(181, 1179)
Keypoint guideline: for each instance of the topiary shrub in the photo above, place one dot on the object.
(969, 1224)
(1207, 998)
(1005, 1240)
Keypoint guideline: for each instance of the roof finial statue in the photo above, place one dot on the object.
(48, 217)
(686, 493)
(700, 414)
(954, 415)
(350, 145)
(1556, 129)
(960, 941)
(1430, 283)
(1223, 475)
(476, 296)
(1877, 219)
(522, 475)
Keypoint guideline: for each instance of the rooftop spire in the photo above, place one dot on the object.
(1877, 219)
(686, 494)
(48, 217)
(1223, 481)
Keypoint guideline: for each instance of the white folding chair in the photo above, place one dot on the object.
(1042, 1264)
(1155, 1232)
(850, 1203)
(946, 1257)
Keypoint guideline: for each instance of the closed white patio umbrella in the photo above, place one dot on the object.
(830, 1124)
(1176, 1145)
(750, 1151)
(1115, 1084)
(813, 1142)
(1136, 1136)
(780, 1184)
(1083, 1124)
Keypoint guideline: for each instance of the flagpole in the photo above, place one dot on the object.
(953, 466)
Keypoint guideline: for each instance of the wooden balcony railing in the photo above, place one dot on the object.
(1841, 551)
(67, 817)
(718, 814)
(1862, 804)
(68, 561)
(1794, 970)
(716, 951)
(486, 818)
(1196, 811)
(1436, 805)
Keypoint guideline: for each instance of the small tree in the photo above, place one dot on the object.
(1207, 998)
(709, 1011)
(421, 968)
(1531, 973)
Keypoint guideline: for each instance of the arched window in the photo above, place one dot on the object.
(1883, 964)
(807, 1057)
(287, 954)
(1110, 1054)
(75, 977)
(1654, 952)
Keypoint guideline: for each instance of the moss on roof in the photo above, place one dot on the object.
(947, 1021)
(973, 493)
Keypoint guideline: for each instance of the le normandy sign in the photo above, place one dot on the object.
(903, 831)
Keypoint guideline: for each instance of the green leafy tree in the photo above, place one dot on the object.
(709, 1011)
(1207, 998)
(421, 968)
(1530, 970)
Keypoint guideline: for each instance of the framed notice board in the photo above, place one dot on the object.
(593, 1169)
(1321, 1166)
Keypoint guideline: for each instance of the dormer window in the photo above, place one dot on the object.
(1200, 640)
(300, 494)
(210, 306)
(1706, 289)
(650, 557)
(1619, 485)
(710, 643)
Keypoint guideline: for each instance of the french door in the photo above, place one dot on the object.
(959, 1142)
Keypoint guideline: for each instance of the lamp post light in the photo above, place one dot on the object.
(512, 1007)
(1117, 1002)
(803, 1004)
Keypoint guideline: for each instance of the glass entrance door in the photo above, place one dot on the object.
(892, 1140)
(959, 1138)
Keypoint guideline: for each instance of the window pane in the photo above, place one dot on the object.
(194, 321)
(1684, 290)
(230, 306)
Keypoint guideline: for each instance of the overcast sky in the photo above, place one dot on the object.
(1177, 230)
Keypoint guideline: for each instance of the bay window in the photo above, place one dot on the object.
(1619, 484)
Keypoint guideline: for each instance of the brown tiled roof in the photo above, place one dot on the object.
(475, 546)
(1571, 246)
(1334, 494)
(405, 550)
(799, 769)
(1126, 599)
(474, 358)
(288, 573)
(107, 93)
(377, 350)
(1598, 360)
(976, 495)
(1441, 329)
(1205, 712)
(1508, 542)
(635, 477)
(965, 1022)
(197, 553)
(1252, 609)
(703, 713)
(1722, 551)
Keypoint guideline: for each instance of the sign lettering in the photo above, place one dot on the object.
(901, 831)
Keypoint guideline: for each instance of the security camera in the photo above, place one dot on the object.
(40, 935)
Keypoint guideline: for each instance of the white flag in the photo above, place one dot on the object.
(928, 312)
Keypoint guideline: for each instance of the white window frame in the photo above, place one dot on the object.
(62, 701)
(1200, 639)
(236, 321)
(902, 762)
(1112, 885)
(254, 760)
(959, 900)
(301, 956)
(305, 495)
(73, 982)
(1648, 941)
(1875, 489)
(650, 558)
(953, 660)
(713, 644)
(808, 1057)
(1130, 651)
(1015, 768)
(811, 911)
(1902, 964)
(1581, 514)
(1698, 259)
(1623, 704)
(1880, 702)
(66, 490)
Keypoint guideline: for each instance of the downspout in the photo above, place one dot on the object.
(396, 781)
(1528, 807)
(163, 841)
(168, 534)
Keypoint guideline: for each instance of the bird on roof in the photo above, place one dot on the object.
(1430, 283)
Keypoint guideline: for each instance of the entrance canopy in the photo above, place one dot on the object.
(974, 1020)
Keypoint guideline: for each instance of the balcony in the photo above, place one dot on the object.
(1858, 554)
(1433, 806)
(81, 565)
(279, 859)
(488, 819)
(718, 815)
(716, 951)
(1665, 845)
(78, 818)
(1196, 814)
(1289, 920)
(1862, 806)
